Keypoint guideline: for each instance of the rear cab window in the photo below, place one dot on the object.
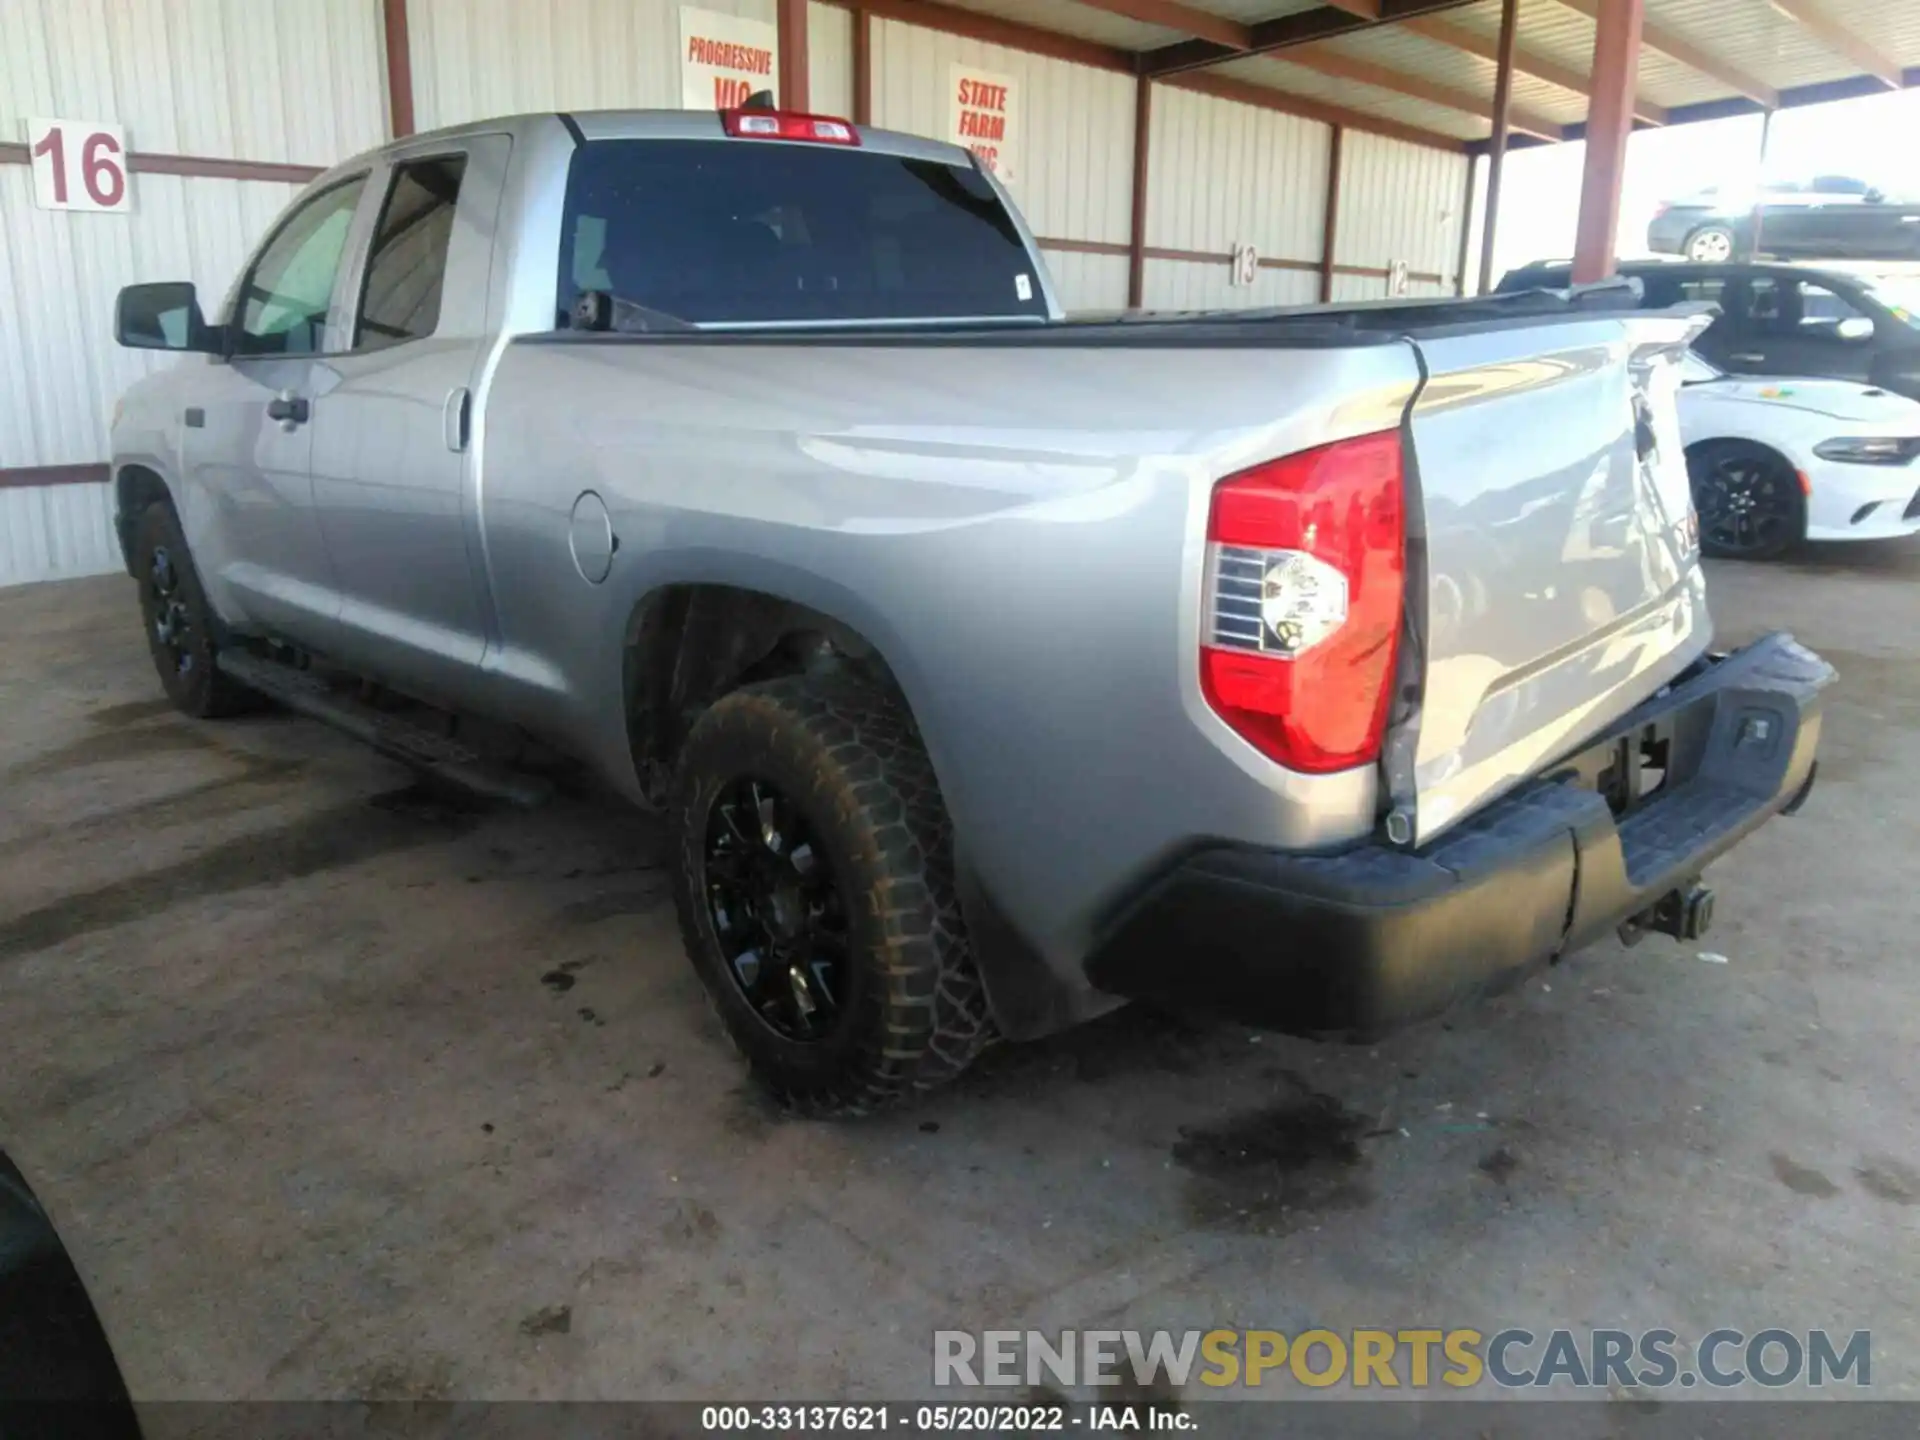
(407, 262)
(742, 232)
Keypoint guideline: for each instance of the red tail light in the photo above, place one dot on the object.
(788, 125)
(1306, 564)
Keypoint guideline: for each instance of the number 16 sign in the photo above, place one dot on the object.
(78, 165)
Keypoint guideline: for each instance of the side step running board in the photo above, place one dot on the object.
(434, 755)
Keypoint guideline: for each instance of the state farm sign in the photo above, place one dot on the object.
(984, 116)
(724, 59)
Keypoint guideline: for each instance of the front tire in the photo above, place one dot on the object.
(1748, 499)
(1712, 245)
(814, 883)
(178, 620)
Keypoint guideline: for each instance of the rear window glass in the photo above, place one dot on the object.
(743, 231)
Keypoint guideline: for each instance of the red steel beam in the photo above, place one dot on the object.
(1616, 52)
(1188, 20)
(1466, 228)
(1675, 46)
(1014, 34)
(1497, 152)
(1303, 27)
(1525, 62)
(863, 67)
(791, 21)
(1365, 72)
(1330, 217)
(399, 68)
(1137, 233)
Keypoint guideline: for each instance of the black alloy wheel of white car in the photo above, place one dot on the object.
(1748, 499)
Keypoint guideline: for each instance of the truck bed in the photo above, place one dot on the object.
(1058, 479)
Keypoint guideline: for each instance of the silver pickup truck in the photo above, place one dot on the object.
(1320, 667)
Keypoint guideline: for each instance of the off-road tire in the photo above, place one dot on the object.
(203, 690)
(848, 757)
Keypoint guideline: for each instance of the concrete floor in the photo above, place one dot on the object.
(335, 1091)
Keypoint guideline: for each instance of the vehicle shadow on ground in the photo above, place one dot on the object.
(1896, 557)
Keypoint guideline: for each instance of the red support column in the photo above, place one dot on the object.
(863, 67)
(1137, 233)
(1616, 58)
(791, 21)
(1466, 228)
(1330, 216)
(399, 68)
(1497, 154)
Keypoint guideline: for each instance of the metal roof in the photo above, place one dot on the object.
(1427, 65)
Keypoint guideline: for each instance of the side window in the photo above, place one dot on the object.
(1657, 292)
(1765, 297)
(407, 263)
(1820, 312)
(284, 300)
(1712, 290)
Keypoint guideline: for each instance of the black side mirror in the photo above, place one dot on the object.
(165, 316)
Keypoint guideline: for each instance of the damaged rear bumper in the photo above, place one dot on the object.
(1367, 939)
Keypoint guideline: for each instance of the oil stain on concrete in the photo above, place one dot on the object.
(1270, 1170)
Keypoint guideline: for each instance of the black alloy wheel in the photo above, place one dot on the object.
(180, 631)
(172, 620)
(777, 911)
(1748, 499)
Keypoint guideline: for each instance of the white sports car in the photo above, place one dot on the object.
(1774, 461)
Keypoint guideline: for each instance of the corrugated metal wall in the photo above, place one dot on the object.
(1398, 202)
(1222, 174)
(476, 58)
(1073, 171)
(280, 81)
(288, 80)
(55, 532)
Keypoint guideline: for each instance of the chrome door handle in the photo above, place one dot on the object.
(289, 409)
(1747, 359)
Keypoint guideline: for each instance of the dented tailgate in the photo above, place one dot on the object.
(1553, 548)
